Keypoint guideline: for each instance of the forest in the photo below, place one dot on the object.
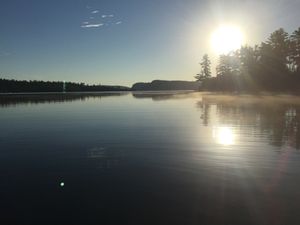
(17, 86)
(272, 66)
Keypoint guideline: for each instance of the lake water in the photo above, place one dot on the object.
(149, 158)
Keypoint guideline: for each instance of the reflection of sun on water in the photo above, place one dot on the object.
(224, 135)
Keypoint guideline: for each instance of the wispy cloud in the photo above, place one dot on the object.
(95, 19)
(110, 16)
(92, 25)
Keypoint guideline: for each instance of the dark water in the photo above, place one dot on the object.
(156, 158)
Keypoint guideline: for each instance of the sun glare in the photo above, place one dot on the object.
(226, 39)
(224, 136)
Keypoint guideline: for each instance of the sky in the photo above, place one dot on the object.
(126, 41)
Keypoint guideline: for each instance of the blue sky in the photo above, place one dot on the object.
(125, 41)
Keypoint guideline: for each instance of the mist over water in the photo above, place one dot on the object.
(150, 158)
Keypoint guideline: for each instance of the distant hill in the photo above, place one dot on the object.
(160, 85)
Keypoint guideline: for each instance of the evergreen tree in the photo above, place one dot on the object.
(278, 43)
(295, 51)
(205, 69)
(229, 64)
(223, 67)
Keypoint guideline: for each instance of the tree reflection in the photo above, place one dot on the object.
(205, 110)
(162, 95)
(16, 99)
(279, 120)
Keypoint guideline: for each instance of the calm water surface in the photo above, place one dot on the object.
(149, 158)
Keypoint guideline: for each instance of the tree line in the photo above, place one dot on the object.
(274, 65)
(17, 86)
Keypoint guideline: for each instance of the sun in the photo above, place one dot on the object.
(226, 39)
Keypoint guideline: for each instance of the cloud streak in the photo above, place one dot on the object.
(95, 11)
(96, 25)
(109, 16)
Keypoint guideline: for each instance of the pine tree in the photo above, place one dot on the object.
(205, 69)
(295, 51)
(278, 44)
